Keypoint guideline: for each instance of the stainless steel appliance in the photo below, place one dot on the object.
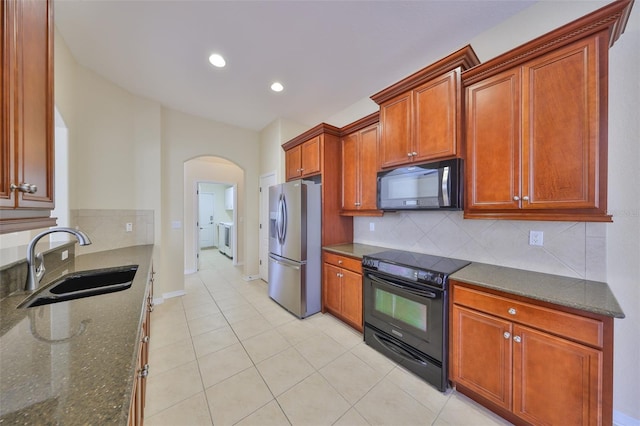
(225, 239)
(405, 310)
(294, 246)
(436, 185)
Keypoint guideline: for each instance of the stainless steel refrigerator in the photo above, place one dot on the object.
(295, 216)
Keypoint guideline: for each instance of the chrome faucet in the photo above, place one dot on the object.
(36, 272)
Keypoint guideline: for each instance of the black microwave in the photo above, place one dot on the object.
(428, 186)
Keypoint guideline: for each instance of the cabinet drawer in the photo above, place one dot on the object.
(350, 263)
(581, 329)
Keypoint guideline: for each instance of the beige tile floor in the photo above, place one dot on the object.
(226, 354)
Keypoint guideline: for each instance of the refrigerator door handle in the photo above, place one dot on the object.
(285, 219)
(279, 220)
(291, 265)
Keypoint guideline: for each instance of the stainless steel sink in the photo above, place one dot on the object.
(83, 284)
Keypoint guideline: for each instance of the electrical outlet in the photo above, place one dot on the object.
(372, 226)
(536, 238)
(129, 226)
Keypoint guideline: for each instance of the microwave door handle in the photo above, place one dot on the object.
(428, 294)
(446, 199)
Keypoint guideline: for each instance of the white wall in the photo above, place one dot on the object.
(623, 235)
(186, 137)
(272, 137)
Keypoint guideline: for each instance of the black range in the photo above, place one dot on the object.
(405, 309)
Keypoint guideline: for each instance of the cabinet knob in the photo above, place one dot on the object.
(357, 204)
(517, 339)
(512, 311)
(516, 198)
(413, 154)
(525, 198)
(145, 339)
(339, 262)
(144, 372)
(408, 154)
(506, 334)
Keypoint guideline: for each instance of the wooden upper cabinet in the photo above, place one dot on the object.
(493, 142)
(420, 115)
(26, 129)
(304, 160)
(360, 167)
(311, 157)
(396, 124)
(536, 125)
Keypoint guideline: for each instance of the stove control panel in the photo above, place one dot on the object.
(408, 273)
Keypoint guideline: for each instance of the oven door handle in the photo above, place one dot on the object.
(429, 294)
(394, 347)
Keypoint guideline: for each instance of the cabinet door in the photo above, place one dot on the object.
(311, 157)
(352, 297)
(332, 288)
(396, 136)
(293, 161)
(368, 169)
(493, 142)
(560, 128)
(555, 381)
(35, 105)
(481, 354)
(435, 109)
(7, 162)
(350, 172)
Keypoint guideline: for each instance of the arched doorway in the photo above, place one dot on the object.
(219, 172)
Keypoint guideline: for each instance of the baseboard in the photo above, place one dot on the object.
(251, 277)
(621, 419)
(171, 294)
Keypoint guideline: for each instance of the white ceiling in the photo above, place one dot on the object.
(328, 54)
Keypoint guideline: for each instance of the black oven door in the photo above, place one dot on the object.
(411, 313)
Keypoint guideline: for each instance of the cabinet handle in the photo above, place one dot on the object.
(525, 198)
(357, 204)
(516, 198)
(512, 311)
(506, 334)
(24, 187)
(517, 339)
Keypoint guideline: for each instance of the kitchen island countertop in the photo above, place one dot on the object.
(74, 362)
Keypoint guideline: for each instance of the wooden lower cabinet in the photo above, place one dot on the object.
(138, 396)
(342, 288)
(504, 355)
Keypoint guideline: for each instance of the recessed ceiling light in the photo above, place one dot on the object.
(277, 87)
(217, 60)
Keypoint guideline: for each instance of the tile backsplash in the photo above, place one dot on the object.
(107, 228)
(575, 249)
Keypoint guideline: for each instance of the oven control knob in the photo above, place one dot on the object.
(439, 280)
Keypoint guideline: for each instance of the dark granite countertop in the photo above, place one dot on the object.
(590, 296)
(354, 249)
(73, 362)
